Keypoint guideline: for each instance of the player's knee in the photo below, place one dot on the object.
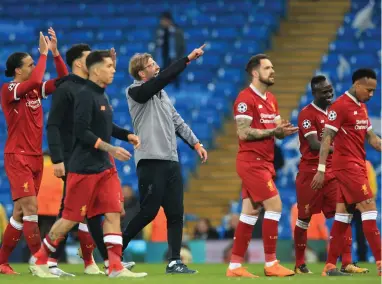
(273, 204)
(367, 205)
(29, 209)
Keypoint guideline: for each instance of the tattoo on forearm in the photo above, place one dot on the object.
(325, 144)
(245, 132)
(105, 146)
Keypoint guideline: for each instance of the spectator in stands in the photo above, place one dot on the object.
(169, 42)
(205, 231)
(232, 224)
(357, 221)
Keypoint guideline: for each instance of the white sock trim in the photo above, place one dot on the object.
(343, 217)
(270, 263)
(275, 216)
(248, 219)
(52, 264)
(106, 262)
(302, 224)
(31, 218)
(369, 215)
(113, 239)
(234, 265)
(83, 227)
(15, 224)
(51, 248)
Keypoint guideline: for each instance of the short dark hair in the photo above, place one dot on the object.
(76, 52)
(166, 15)
(254, 62)
(96, 56)
(15, 60)
(364, 73)
(316, 80)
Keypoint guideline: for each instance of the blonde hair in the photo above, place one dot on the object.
(137, 63)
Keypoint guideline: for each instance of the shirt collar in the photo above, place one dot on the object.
(353, 98)
(319, 109)
(257, 92)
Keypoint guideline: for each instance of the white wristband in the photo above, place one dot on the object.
(321, 168)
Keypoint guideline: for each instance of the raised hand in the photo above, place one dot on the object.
(52, 41)
(196, 53)
(43, 47)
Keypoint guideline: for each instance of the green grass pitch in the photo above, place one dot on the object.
(208, 273)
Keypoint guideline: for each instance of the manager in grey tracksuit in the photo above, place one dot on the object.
(157, 123)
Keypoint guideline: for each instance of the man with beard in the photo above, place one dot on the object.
(258, 123)
(311, 123)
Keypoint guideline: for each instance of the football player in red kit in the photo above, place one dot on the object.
(349, 126)
(311, 123)
(258, 123)
(23, 160)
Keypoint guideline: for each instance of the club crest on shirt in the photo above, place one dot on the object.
(26, 187)
(83, 210)
(242, 107)
(306, 124)
(11, 86)
(273, 107)
(332, 115)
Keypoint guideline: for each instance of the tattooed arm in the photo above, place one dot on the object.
(374, 140)
(327, 139)
(245, 132)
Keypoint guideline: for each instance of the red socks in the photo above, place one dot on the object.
(32, 233)
(48, 246)
(243, 235)
(300, 241)
(113, 243)
(87, 244)
(10, 239)
(346, 251)
(270, 234)
(372, 234)
(336, 242)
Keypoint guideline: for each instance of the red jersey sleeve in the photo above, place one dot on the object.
(49, 86)
(305, 123)
(243, 107)
(16, 90)
(336, 117)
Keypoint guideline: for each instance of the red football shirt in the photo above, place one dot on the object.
(349, 118)
(263, 110)
(21, 104)
(311, 120)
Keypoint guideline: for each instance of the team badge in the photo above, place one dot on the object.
(242, 107)
(306, 124)
(332, 115)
